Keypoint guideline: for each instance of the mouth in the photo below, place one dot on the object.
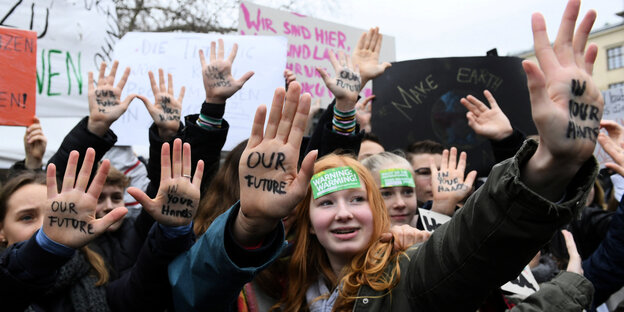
(402, 217)
(345, 233)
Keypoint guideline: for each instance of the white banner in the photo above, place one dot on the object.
(524, 285)
(431, 220)
(74, 37)
(309, 40)
(178, 54)
(613, 110)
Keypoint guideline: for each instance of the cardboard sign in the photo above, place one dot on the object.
(419, 100)
(74, 37)
(309, 40)
(178, 54)
(524, 285)
(613, 110)
(431, 220)
(18, 76)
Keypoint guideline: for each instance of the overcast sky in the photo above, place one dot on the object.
(440, 28)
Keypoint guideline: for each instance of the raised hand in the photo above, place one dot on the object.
(270, 186)
(178, 195)
(448, 184)
(363, 113)
(35, 143)
(613, 144)
(366, 55)
(289, 76)
(69, 216)
(218, 81)
(105, 105)
(485, 121)
(566, 104)
(404, 236)
(167, 109)
(346, 85)
(575, 262)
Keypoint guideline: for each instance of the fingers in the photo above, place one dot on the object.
(360, 43)
(170, 84)
(290, 109)
(202, 59)
(386, 237)
(91, 83)
(165, 162)
(181, 97)
(324, 75)
(85, 170)
(377, 48)
(368, 38)
(445, 160)
(334, 61)
(480, 106)
(452, 163)
(563, 42)
(490, 98)
(615, 167)
(213, 51)
(51, 181)
(433, 168)
(161, 80)
(241, 81)
(300, 121)
(186, 159)
(590, 58)
(580, 38)
(100, 178)
(536, 83)
(199, 173)
(612, 148)
(461, 165)
(543, 51)
(70, 171)
(611, 126)
(374, 38)
(258, 126)
(113, 72)
(276, 112)
(101, 82)
(124, 78)
(220, 50)
(153, 84)
(100, 225)
(177, 159)
(306, 171)
(232, 55)
(470, 178)
(575, 262)
(140, 196)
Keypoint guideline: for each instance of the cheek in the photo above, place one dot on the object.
(19, 232)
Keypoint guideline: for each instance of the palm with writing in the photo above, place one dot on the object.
(561, 82)
(346, 85)
(218, 81)
(178, 195)
(491, 123)
(613, 144)
(105, 105)
(448, 184)
(270, 186)
(69, 216)
(366, 55)
(167, 109)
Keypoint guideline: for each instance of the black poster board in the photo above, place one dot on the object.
(419, 99)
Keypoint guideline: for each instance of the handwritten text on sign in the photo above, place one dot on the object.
(18, 76)
(613, 110)
(309, 43)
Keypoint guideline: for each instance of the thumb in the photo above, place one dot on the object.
(127, 100)
(386, 65)
(146, 102)
(100, 225)
(245, 77)
(323, 74)
(141, 197)
(306, 171)
(386, 237)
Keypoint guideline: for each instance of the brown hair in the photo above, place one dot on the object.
(423, 147)
(117, 178)
(222, 193)
(366, 268)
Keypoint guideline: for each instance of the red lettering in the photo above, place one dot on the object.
(298, 69)
(332, 38)
(341, 40)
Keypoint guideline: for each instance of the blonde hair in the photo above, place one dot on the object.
(375, 162)
(366, 268)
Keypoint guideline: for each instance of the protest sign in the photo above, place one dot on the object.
(144, 52)
(418, 100)
(523, 286)
(74, 37)
(431, 220)
(613, 110)
(18, 76)
(309, 40)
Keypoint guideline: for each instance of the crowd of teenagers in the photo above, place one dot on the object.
(325, 222)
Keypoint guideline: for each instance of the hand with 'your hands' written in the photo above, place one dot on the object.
(613, 144)
(178, 194)
(69, 216)
(491, 123)
(105, 106)
(366, 55)
(270, 186)
(346, 85)
(448, 184)
(218, 81)
(167, 109)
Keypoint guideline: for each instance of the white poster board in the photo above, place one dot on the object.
(613, 110)
(523, 286)
(178, 54)
(74, 37)
(431, 220)
(309, 40)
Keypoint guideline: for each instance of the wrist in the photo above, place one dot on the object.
(166, 134)
(501, 135)
(345, 105)
(215, 99)
(548, 175)
(98, 128)
(33, 162)
(250, 231)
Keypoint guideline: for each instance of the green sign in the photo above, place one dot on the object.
(333, 180)
(396, 177)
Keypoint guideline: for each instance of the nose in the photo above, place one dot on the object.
(399, 203)
(343, 213)
(109, 203)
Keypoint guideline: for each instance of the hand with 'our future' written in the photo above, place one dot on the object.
(217, 75)
(178, 194)
(270, 186)
(69, 216)
(346, 85)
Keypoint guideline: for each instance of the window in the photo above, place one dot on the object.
(616, 85)
(615, 58)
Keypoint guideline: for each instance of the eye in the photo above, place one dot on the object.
(358, 199)
(101, 199)
(117, 197)
(325, 202)
(27, 218)
(386, 193)
(408, 192)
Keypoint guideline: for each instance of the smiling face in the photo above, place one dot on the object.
(400, 200)
(24, 215)
(343, 223)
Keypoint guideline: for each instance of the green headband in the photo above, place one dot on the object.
(333, 180)
(396, 177)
